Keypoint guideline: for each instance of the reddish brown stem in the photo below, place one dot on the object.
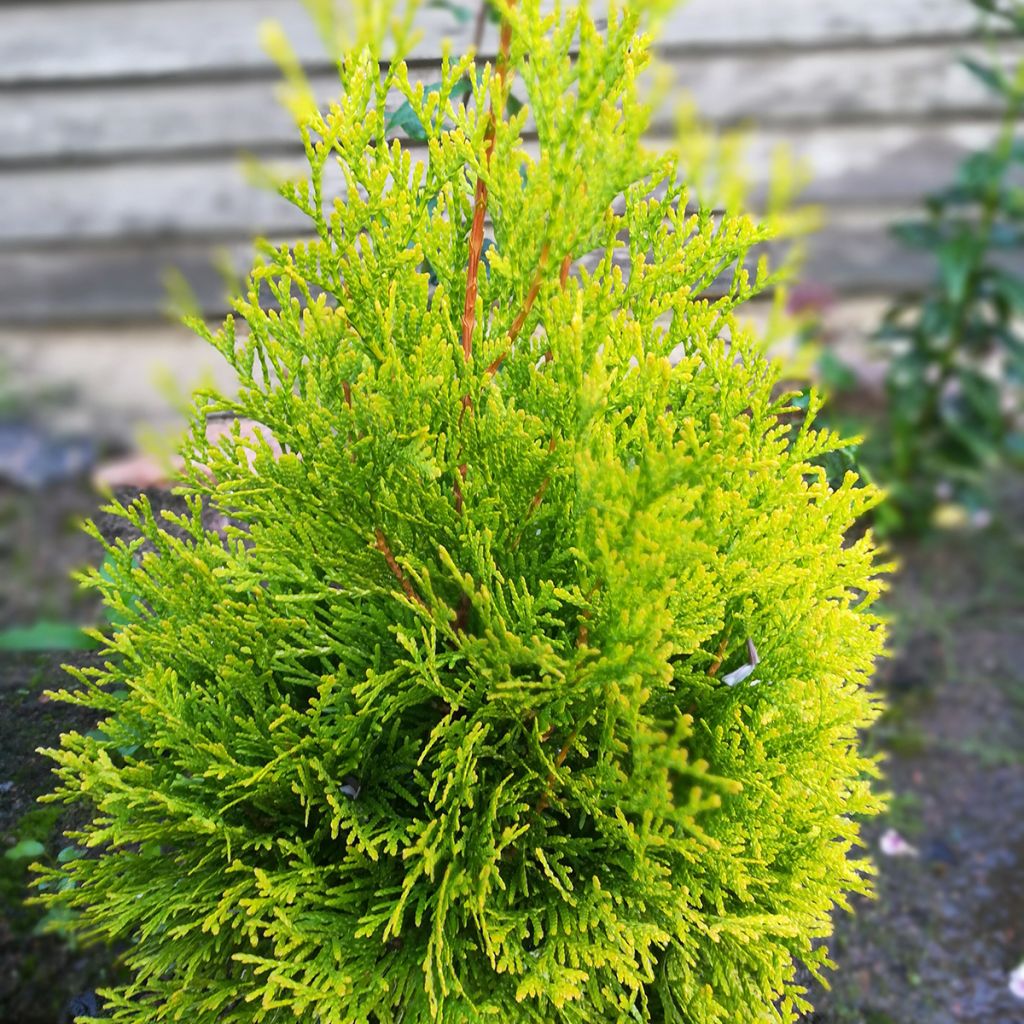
(520, 320)
(396, 570)
(531, 299)
(538, 496)
(563, 275)
(719, 656)
(531, 295)
(476, 234)
(545, 797)
(584, 632)
(476, 248)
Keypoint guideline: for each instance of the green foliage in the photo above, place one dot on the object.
(45, 635)
(25, 849)
(33, 833)
(56, 635)
(448, 726)
(956, 357)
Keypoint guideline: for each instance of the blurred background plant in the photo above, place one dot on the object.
(954, 354)
(956, 357)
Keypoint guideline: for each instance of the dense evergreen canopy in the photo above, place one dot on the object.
(450, 725)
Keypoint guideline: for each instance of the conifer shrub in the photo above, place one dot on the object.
(525, 684)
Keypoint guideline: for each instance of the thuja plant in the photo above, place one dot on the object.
(956, 370)
(525, 684)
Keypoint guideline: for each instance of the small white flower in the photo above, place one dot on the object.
(892, 844)
(1017, 981)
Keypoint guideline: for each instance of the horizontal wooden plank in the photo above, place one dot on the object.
(195, 197)
(901, 82)
(79, 285)
(211, 197)
(103, 122)
(852, 255)
(75, 42)
(725, 24)
(81, 41)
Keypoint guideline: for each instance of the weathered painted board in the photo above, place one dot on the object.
(103, 122)
(120, 120)
(125, 282)
(210, 197)
(77, 41)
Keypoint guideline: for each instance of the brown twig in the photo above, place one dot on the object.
(538, 497)
(563, 274)
(476, 234)
(581, 638)
(396, 570)
(517, 325)
(583, 634)
(719, 656)
(545, 797)
(531, 298)
(476, 248)
(382, 542)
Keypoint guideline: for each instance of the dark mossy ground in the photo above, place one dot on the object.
(935, 948)
(939, 943)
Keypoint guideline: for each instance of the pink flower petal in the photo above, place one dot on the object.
(1017, 982)
(892, 844)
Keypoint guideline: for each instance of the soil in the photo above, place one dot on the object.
(938, 944)
(40, 543)
(935, 947)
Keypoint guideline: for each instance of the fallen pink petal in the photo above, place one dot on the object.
(892, 844)
(1017, 981)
